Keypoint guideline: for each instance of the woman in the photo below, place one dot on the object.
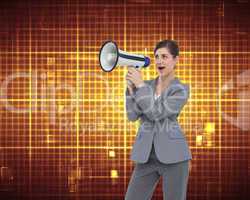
(160, 148)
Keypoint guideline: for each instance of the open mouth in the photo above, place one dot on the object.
(161, 68)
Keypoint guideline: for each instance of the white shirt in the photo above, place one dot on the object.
(156, 96)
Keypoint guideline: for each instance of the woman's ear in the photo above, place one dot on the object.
(176, 59)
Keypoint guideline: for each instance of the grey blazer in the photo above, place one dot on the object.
(158, 122)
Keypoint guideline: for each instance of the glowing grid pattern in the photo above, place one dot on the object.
(64, 131)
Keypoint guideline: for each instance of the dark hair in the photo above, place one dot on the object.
(171, 45)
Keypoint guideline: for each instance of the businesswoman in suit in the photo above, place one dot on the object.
(160, 148)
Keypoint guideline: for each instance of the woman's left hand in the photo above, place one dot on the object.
(135, 76)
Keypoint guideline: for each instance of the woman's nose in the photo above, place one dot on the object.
(159, 61)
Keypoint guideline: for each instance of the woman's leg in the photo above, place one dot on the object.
(142, 183)
(175, 181)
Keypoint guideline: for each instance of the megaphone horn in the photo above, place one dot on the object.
(110, 57)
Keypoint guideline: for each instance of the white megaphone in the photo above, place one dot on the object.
(110, 57)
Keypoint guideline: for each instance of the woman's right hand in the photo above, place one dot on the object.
(130, 85)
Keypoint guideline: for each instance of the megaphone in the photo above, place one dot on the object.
(110, 57)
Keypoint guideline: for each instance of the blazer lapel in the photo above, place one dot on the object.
(153, 86)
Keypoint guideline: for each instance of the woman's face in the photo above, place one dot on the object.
(164, 61)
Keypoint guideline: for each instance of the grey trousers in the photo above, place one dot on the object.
(146, 176)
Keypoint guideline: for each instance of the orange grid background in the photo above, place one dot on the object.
(64, 133)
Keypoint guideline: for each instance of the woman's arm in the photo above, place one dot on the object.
(132, 109)
(166, 107)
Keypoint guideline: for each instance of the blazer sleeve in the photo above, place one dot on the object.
(132, 109)
(167, 106)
